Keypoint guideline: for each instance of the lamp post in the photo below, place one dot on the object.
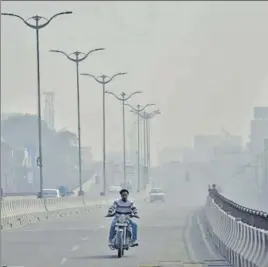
(146, 117)
(1, 198)
(103, 81)
(37, 26)
(138, 111)
(77, 59)
(123, 99)
(144, 141)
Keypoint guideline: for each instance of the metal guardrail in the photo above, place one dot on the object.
(249, 216)
(240, 234)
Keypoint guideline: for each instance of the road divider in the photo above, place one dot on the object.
(22, 212)
(16, 213)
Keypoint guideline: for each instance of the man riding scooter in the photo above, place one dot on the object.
(126, 207)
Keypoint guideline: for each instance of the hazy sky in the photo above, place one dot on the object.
(205, 64)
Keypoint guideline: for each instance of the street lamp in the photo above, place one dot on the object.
(102, 80)
(147, 116)
(77, 59)
(138, 111)
(37, 26)
(123, 99)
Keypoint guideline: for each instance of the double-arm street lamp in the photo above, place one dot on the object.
(77, 57)
(103, 80)
(37, 26)
(123, 99)
(138, 111)
(146, 116)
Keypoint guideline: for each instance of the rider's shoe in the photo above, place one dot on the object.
(134, 244)
(111, 245)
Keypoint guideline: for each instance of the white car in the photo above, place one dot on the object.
(156, 194)
(50, 193)
(114, 189)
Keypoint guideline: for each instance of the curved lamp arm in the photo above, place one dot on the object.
(58, 14)
(111, 93)
(146, 106)
(88, 53)
(90, 75)
(17, 16)
(54, 16)
(61, 52)
(117, 74)
(133, 109)
(150, 115)
(137, 92)
(138, 110)
(37, 26)
(103, 76)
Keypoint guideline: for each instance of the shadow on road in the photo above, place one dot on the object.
(96, 257)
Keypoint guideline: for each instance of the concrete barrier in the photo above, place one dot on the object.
(19, 212)
(243, 245)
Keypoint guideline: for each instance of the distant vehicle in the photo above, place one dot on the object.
(65, 191)
(50, 193)
(156, 194)
(114, 188)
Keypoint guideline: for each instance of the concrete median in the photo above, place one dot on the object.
(19, 212)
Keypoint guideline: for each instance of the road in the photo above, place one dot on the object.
(167, 232)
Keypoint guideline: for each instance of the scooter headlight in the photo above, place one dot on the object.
(121, 218)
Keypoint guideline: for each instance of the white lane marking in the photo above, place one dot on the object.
(200, 225)
(98, 228)
(95, 230)
(60, 229)
(63, 261)
(192, 255)
(76, 247)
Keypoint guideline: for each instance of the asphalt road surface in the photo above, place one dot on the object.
(168, 232)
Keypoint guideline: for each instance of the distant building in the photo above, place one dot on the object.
(49, 110)
(206, 141)
(169, 154)
(258, 130)
(71, 137)
(87, 157)
(208, 147)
